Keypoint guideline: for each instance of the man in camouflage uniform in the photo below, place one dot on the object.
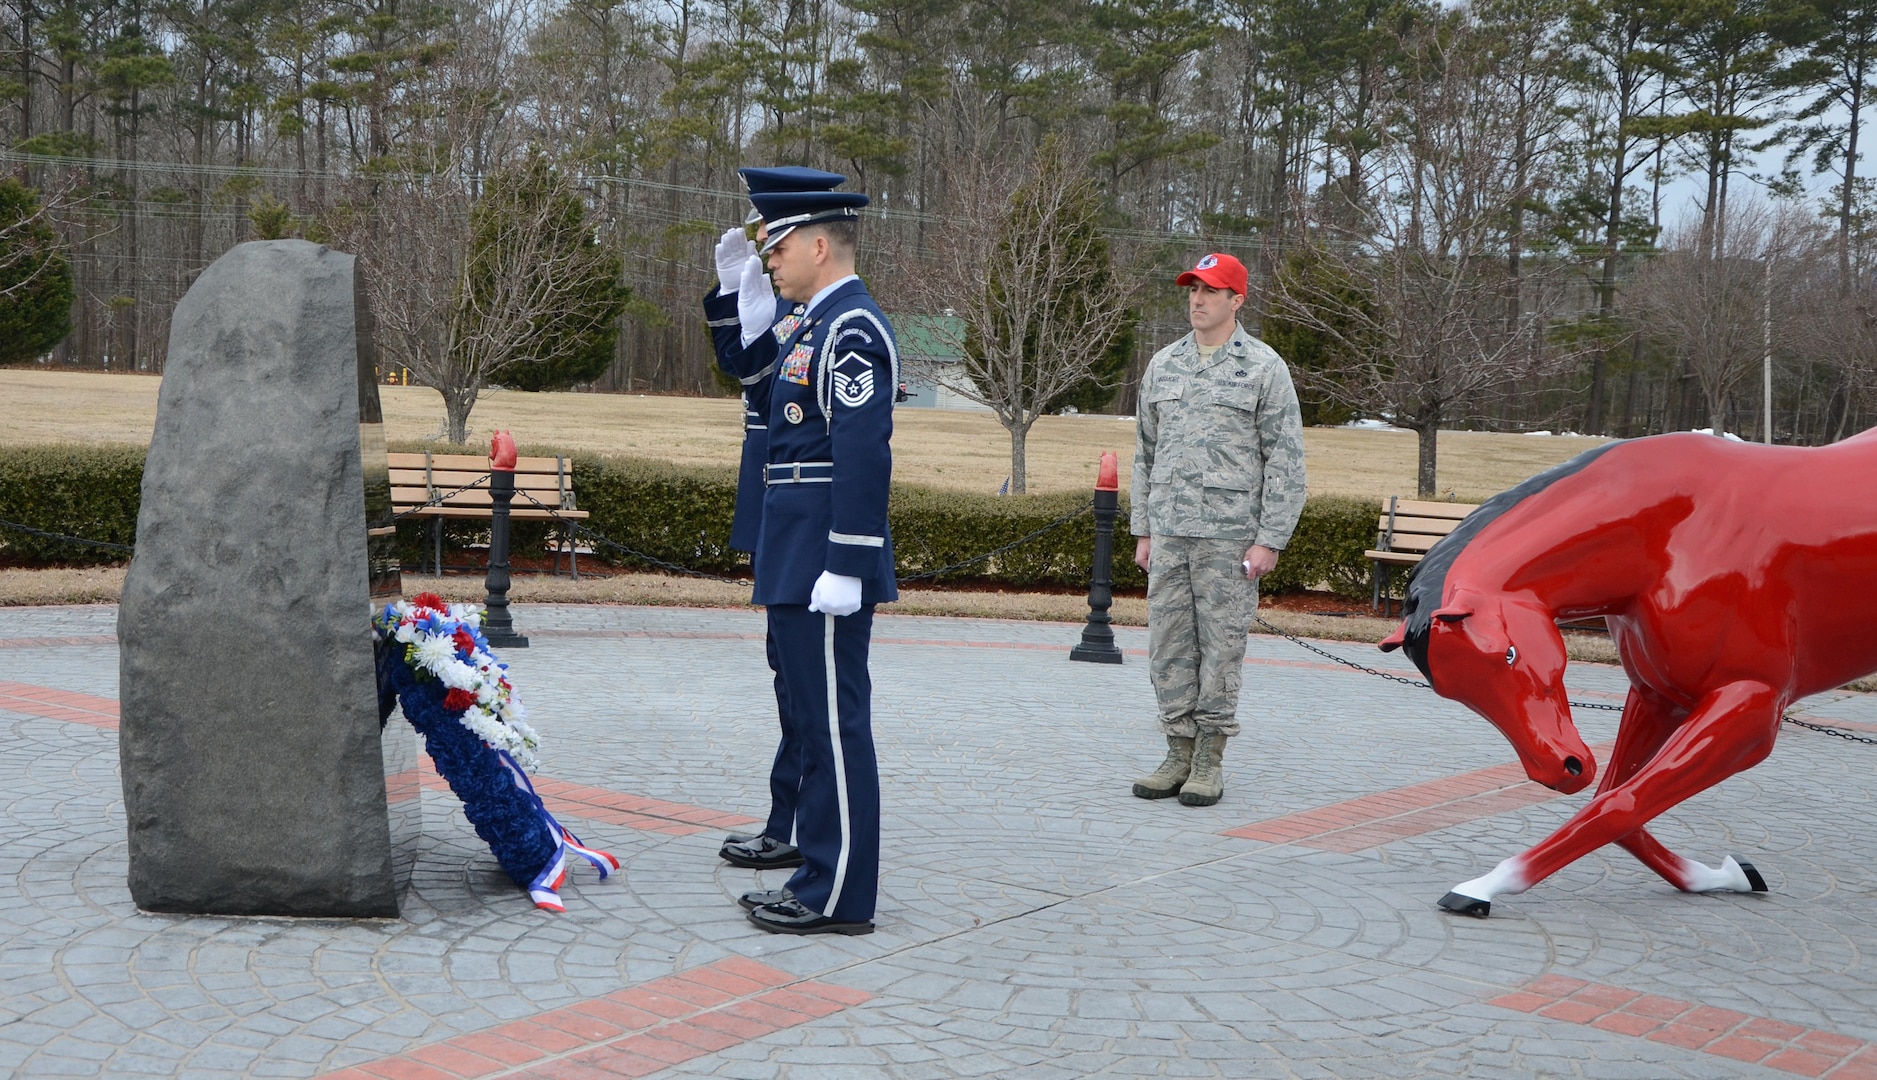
(1218, 487)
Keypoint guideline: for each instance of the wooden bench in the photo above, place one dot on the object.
(418, 479)
(1406, 530)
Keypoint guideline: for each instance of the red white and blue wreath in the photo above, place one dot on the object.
(433, 656)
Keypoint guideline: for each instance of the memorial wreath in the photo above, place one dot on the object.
(457, 695)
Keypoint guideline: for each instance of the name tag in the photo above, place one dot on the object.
(795, 366)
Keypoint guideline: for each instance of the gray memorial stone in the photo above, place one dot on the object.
(257, 779)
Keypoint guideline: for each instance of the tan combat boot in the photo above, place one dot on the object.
(1166, 780)
(1206, 785)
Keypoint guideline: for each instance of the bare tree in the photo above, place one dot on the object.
(1412, 293)
(1028, 274)
(462, 293)
(1711, 307)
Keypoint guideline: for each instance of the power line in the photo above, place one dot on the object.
(646, 210)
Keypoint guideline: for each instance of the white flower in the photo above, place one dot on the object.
(435, 652)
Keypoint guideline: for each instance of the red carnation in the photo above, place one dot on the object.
(458, 700)
(464, 641)
(429, 601)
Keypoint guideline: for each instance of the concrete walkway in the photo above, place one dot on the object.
(1035, 920)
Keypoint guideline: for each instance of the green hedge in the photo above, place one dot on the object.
(682, 516)
(88, 491)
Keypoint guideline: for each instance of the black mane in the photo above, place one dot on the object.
(1429, 578)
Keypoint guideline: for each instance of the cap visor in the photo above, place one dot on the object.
(774, 239)
(1207, 277)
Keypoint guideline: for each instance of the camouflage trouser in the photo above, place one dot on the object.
(1199, 609)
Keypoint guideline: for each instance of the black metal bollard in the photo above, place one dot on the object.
(1097, 645)
(497, 626)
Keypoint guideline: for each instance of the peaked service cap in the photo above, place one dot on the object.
(790, 178)
(785, 211)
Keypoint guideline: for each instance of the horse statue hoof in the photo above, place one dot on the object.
(1753, 876)
(1466, 905)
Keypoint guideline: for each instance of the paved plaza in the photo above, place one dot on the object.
(1035, 920)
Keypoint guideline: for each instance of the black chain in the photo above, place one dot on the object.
(1391, 677)
(437, 500)
(601, 538)
(1832, 731)
(994, 552)
(590, 534)
(674, 568)
(106, 545)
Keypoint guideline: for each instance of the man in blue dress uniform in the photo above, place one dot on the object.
(740, 312)
(823, 555)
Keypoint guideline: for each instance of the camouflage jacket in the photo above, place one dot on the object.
(1219, 445)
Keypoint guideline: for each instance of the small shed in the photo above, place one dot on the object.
(929, 362)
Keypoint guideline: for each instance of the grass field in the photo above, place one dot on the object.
(949, 449)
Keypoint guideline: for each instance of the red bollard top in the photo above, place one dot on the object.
(1109, 478)
(502, 452)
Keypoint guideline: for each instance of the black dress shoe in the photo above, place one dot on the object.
(753, 900)
(741, 837)
(792, 917)
(762, 853)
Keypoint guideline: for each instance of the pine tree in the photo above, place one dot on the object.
(35, 278)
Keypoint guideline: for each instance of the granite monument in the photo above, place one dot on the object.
(262, 775)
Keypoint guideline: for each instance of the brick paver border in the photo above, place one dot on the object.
(1693, 1026)
(54, 642)
(632, 1032)
(43, 701)
(1373, 820)
(561, 797)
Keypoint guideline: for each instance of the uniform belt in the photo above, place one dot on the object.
(800, 472)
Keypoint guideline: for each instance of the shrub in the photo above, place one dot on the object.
(88, 491)
(681, 516)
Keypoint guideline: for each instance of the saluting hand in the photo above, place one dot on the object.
(755, 300)
(732, 250)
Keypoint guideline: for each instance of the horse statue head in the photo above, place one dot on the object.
(1504, 659)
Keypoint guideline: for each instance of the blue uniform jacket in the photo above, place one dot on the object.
(830, 459)
(749, 366)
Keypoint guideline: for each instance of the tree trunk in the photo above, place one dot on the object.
(456, 407)
(1427, 438)
(1019, 433)
(1593, 418)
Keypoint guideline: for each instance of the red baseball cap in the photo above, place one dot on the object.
(1217, 270)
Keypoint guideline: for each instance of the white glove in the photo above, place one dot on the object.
(755, 300)
(731, 251)
(834, 594)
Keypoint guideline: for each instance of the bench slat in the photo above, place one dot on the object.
(483, 513)
(1413, 508)
(1413, 542)
(411, 478)
(1411, 525)
(468, 462)
(475, 497)
(1400, 558)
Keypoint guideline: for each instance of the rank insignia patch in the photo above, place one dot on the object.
(795, 367)
(793, 412)
(853, 380)
(786, 327)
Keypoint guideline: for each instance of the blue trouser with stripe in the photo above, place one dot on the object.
(829, 698)
(785, 776)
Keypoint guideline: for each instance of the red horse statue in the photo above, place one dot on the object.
(1732, 577)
